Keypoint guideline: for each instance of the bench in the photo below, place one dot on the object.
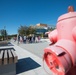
(8, 60)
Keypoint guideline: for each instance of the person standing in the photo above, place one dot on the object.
(21, 40)
(24, 39)
(18, 39)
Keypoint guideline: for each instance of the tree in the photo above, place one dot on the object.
(3, 33)
(30, 30)
(22, 30)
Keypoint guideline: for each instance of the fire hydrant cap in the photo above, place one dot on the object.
(70, 14)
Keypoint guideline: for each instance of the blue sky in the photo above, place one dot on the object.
(14, 13)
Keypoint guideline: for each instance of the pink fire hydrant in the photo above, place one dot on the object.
(60, 56)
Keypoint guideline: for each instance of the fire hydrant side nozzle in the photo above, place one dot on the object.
(53, 36)
(60, 56)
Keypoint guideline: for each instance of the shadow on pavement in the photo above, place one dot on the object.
(26, 64)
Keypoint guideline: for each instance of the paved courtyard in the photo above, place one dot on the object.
(35, 48)
(29, 60)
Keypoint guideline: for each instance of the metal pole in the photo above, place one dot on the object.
(4, 32)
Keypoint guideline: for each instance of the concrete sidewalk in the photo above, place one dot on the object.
(28, 63)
